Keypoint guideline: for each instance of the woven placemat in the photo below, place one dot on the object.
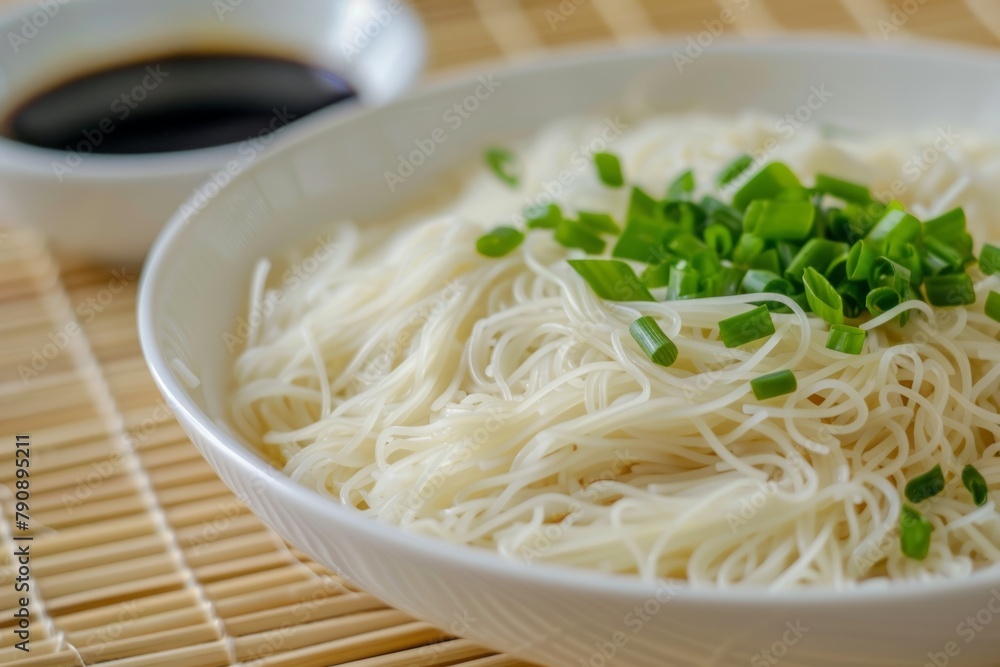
(139, 556)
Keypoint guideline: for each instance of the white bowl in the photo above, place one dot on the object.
(112, 206)
(195, 286)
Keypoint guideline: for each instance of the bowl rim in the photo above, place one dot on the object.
(171, 241)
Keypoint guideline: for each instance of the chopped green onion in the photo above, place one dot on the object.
(609, 169)
(724, 283)
(687, 215)
(644, 228)
(718, 237)
(774, 384)
(944, 255)
(723, 214)
(779, 221)
(886, 272)
(992, 309)
(500, 161)
(746, 327)
(895, 225)
(925, 486)
(759, 280)
(657, 275)
(817, 253)
(572, 234)
(861, 261)
(733, 170)
(950, 290)
(684, 283)
(611, 279)
(650, 337)
(976, 484)
(853, 294)
(822, 297)
(906, 254)
(836, 273)
(769, 260)
(682, 186)
(548, 218)
(499, 242)
(914, 533)
(598, 222)
(881, 299)
(765, 184)
(945, 227)
(846, 339)
(841, 189)
(989, 259)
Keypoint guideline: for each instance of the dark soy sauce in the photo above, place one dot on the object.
(174, 103)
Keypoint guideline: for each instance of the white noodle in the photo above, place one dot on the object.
(499, 403)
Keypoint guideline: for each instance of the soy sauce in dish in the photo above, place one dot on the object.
(174, 103)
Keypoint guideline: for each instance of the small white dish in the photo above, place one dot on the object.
(195, 286)
(112, 206)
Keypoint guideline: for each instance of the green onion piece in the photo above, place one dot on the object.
(746, 327)
(787, 252)
(854, 294)
(881, 299)
(609, 169)
(794, 194)
(687, 215)
(925, 486)
(611, 279)
(724, 283)
(547, 218)
(817, 253)
(836, 273)
(914, 533)
(723, 214)
(989, 259)
(572, 234)
(718, 237)
(650, 337)
(682, 186)
(644, 229)
(501, 161)
(976, 484)
(943, 255)
(774, 384)
(846, 339)
(822, 297)
(906, 254)
(779, 221)
(950, 290)
(499, 242)
(895, 225)
(657, 275)
(993, 305)
(945, 227)
(758, 280)
(841, 189)
(886, 272)
(733, 170)
(769, 260)
(684, 283)
(598, 222)
(747, 247)
(767, 183)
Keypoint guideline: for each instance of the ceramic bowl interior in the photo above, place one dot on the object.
(195, 288)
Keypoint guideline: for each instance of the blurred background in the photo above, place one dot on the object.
(142, 557)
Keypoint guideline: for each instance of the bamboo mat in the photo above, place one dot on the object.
(140, 556)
